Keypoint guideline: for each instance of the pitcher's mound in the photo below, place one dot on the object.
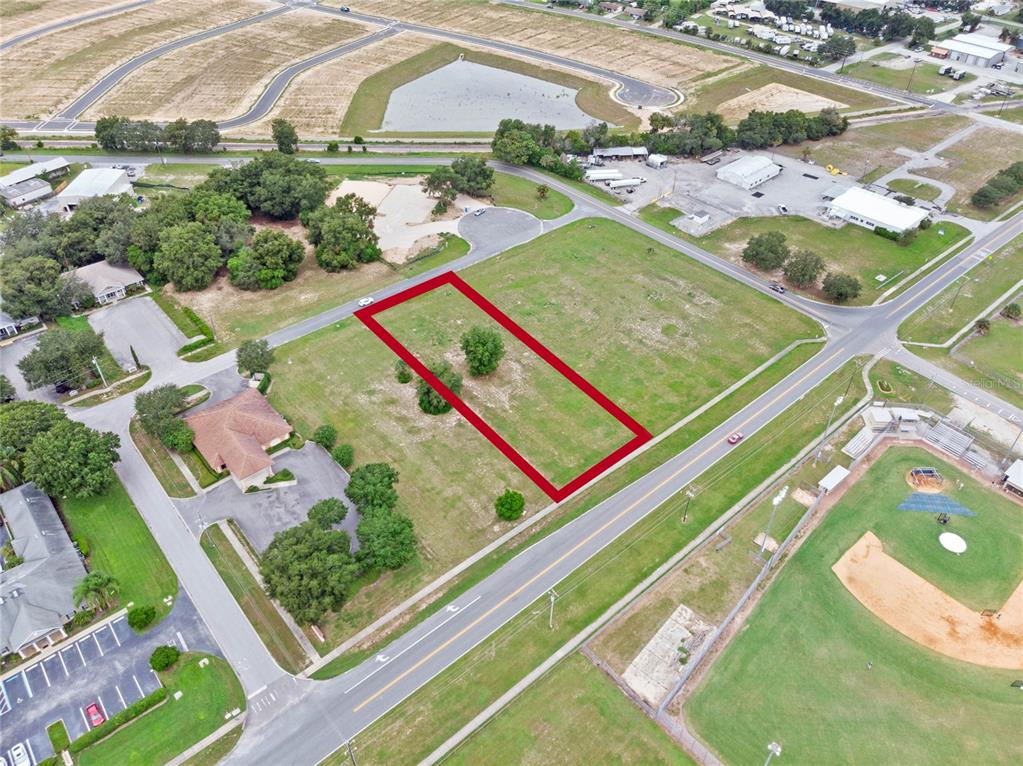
(925, 480)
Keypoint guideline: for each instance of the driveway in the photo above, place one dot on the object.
(262, 514)
(9, 358)
(108, 665)
(498, 229)
(140, 324)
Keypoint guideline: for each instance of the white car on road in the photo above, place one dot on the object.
(363, 302)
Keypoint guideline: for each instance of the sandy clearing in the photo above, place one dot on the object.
(920, 611)
(222, 77)
(775, 97)
(20, 16)
(404, 220)
(44, 75)
(316, 101)
(648, 58)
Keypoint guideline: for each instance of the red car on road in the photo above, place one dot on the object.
(95, 715)
(735, 438)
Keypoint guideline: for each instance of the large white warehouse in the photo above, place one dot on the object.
(972, 48)
(94, 182)
(749, 171)
(871, 210)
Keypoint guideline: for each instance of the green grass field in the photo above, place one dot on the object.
(997, 360)
(851, 249)
(894, 384)
(450, 249)
(925, 79)
(512, 191)
(257, 606)
(215, 752)
(164, 732)
(574, 715)
(917, 189)
(121, 546)
(366, 111)
(173, 176)
(656, 312)
(959, 303)
(807, 643)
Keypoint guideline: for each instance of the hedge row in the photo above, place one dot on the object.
(204, 329)
(194, 346)
(108, 727)
(264, 384)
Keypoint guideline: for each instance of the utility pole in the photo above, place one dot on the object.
(772, 750)
(956, 296)
(912, 72)
(99, 369)
(774, 509)
(690, 494)
(351, 752)
(550, 619)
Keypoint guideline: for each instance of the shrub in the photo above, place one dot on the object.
(982, 326)
(483, 349)
(1012, 311)
(325, 436)
(510, 505)
(402, 371)
(430, 401)
(264, 384)
(332, 146)
(282, 475)
(881, 231)
(140, 617)
(163, 657)
(82, 618)
(925, 224)
(328, 512)
(907, 237)
(344, 455)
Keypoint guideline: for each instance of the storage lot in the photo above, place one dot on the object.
(108, 665)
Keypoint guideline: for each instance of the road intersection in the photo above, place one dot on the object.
(311, 719)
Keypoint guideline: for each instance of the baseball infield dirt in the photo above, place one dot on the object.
(925, 614)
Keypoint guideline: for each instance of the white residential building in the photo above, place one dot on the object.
(107, 282)
(749, 171)
(94, 182)
(870, 210)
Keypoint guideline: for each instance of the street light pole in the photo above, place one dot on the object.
(351, 752)
(772, 750)
(99, 369)
(774, 509)
(550, 619)
(820, 447)
(689, 498)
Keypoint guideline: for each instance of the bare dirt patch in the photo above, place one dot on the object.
(21, 16)
(222, 77)
(921, 612)
(928, 485)
(775, 97)
(44, 75)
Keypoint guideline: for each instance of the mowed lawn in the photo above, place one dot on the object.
(158, 736)
(121, 545)
(656, 332)
(850, 249)
(925, 79)
(544, 415)
(512, 191)
(993, 361)
(797, 671)
(573, 715)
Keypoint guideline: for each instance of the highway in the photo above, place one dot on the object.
(311, 719)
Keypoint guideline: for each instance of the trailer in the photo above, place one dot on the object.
(603, 175)
(625, 183)
(783, 50)
(945, 69)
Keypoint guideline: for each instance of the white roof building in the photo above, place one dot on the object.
(36, 169)
(973, 48)
(621, 152)
(107, 282)
(657, 160)
(834, 477)
(1014, 477)
(870, 210)
(94, 182)
(749, 171)
(24, 192)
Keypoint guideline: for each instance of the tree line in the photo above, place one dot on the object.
(770, 252)
(1004, 184)
(119, 134)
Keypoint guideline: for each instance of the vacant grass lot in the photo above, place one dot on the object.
(174, 176)
(251, 597)
(366, 111)
(24, 15)
(121, 545)
(917, 189)
(861, 151)
(164, 732)
(512, 191)
(160, 463)
(925, 79)
(223, 76)
(529, 403)
(971, 162)
(894, 384)
(709, 96)
(997, 360)
(851, 249)
(414, 728)
(43, 75)
(655, 311)
(961, 302)
(573, 715)
(808, 641)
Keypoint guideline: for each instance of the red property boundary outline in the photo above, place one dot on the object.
(641, 435)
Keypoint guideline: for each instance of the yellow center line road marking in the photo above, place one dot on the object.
(571, 551)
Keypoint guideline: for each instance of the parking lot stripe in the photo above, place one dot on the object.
(114, 634)
(61, 655)
(121, 696)
(102, 706)
(79, 648)
(181, 638)
(46, 676)
(31, 753)
(95, 637)
(5, 702)
(27, 684)
(138, 685)
(87, 727)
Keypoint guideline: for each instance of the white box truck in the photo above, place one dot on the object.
(625, 183)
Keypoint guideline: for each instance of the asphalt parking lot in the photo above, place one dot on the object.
(108, 665)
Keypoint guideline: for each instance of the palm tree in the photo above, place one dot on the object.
(10, 468)
(98, 589)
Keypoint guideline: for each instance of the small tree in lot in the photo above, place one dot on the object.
(542, 190)
(431, 402)
(327, 513)
(140, 617)
(767, 251)
(344, 455)
(402, 372)
(1012, 311)
(254, 356)
(804, 268)
(97, 589)
(163, 657)
(841, 287)
(483, 349)
(510, 505)
(982, 326)
(284, 135)
(325, 436)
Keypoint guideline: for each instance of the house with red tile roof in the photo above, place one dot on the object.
(236, 434)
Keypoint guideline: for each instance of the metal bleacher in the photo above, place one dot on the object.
(948, 438)
(859, 443)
